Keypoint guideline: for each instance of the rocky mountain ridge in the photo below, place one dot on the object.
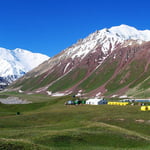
(92, 64)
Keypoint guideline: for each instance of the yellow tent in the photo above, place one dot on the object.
(148, 107)
(144, 108)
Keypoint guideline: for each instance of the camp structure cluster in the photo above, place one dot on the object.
(75, 102)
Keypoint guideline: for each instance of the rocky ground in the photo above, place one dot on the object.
(13, 100)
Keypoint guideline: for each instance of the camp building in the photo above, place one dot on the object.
(96, 101)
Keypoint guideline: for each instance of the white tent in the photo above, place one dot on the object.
(96, 101)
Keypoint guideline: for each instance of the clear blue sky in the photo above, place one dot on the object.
(49, 26)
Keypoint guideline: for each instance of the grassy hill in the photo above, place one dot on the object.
(47, 124)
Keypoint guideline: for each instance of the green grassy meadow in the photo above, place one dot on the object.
(47, 124)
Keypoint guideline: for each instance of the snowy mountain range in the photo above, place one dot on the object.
(15, 63)
(96, 65)
(108, 39)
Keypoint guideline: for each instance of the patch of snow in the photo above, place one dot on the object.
(20, 91)
(66, 67)
(61, 93)
(49, 92)
(114, 96)
(98, 94)
(58, 94)
(114, 56)
(80, 91)
(78, 94)
(123, 96)
(140, 42)
(100, 62)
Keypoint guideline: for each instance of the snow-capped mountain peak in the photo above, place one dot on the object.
(127, 32)
(15, 63)
(108, 39)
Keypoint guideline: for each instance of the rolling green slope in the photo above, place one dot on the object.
(33, 83)
(129, 75)
(99, 77)
(69, 80)
(50, 125)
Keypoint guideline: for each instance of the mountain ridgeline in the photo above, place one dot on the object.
(108, 62)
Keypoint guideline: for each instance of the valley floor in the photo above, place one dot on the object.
(47, 124)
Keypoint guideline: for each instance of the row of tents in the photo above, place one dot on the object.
(118, 103)
(89, 101)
